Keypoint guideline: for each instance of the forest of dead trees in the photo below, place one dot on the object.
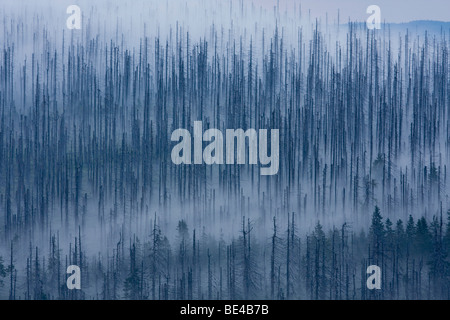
(86, 176)
(413, 256)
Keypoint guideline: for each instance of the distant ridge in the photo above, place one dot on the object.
(415, 25)
(422, 23)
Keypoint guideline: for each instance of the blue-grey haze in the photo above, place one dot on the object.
(86, 176)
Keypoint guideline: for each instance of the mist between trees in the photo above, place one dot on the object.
(86, 175)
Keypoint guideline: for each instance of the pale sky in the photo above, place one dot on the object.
(391, 10)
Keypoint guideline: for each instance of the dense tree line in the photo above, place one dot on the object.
(413, 257)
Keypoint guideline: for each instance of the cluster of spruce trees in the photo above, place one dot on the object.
(412, 255)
